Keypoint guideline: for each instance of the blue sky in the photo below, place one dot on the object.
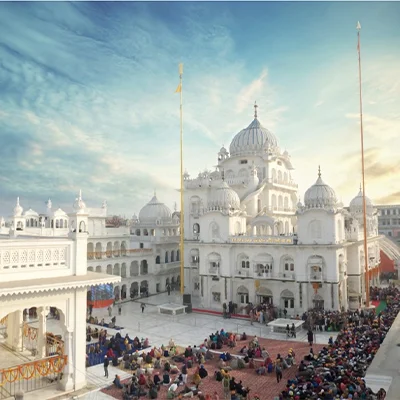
(87, 95)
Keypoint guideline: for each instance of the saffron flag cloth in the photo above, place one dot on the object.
(178, 89)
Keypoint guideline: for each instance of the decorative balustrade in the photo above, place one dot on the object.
(291, 276)
(29, 376)
(22, 258)
(262, 239)
(281, 182)
(99, 255)
(213, 270)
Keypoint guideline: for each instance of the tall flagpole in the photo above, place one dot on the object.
(182, 259)
(363, 170)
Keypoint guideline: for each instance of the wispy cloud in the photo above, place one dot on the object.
(88, 98)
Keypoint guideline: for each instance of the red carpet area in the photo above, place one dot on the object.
(265, 386)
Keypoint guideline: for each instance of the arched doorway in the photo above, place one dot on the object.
(144, 289)
(287, 301)
(318, 302)
(123, 292)
(117, 294)
(134, 290)
(242, 296)
(264, 295)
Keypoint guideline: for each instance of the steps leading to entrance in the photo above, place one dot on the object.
(219, 313)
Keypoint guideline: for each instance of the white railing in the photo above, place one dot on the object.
(281, 209)
(281, 182)
(16, 258)
(213, 270)
(275, 275)
(262, 239)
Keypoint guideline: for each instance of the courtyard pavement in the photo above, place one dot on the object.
(185, 329)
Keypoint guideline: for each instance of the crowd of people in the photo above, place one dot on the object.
(337, 371)
(114, 347)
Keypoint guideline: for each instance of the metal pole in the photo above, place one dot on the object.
(363, 171)
(182, 255)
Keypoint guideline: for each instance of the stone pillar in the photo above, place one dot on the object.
(297, 298)
(79, 340)
(14, 332)
(67, 382)
(41, 339)
(336, 296)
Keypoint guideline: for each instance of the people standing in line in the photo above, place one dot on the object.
(143, 305)
(106, 364)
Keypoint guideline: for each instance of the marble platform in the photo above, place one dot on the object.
(172, 309)
(279, 325)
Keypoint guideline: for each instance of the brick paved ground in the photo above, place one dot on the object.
(265, 386)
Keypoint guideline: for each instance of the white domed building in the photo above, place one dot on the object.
(155, 233)
(143, 252)
(248, 238)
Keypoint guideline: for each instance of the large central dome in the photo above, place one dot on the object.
(253, 139)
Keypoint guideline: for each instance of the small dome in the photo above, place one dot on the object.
(154, 210)
(31, 213)
(320, 195)
(18, 209)
(224, 198)
(79, 204)
(59, 213)
(356, 205)
(253, 139)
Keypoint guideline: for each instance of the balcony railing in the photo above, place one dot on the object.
(316, 277)
(27, 258)
(100, 255)
(213, 270)
(281, 182)
(243, 273)
(31, 376)
(275, 275)
(262, 239)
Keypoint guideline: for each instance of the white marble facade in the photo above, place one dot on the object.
(49, 272)
(143, 251)
(248, 237)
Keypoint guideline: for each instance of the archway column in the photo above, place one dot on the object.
(41, 340)
(14, 330)
(67, 382)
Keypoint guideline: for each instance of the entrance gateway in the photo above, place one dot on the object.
(264, 295)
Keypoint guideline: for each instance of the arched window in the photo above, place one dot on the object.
(172, 255)
(196, 229)
(166, 257)
(158, 260)
(178, 255)
(57, 223)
